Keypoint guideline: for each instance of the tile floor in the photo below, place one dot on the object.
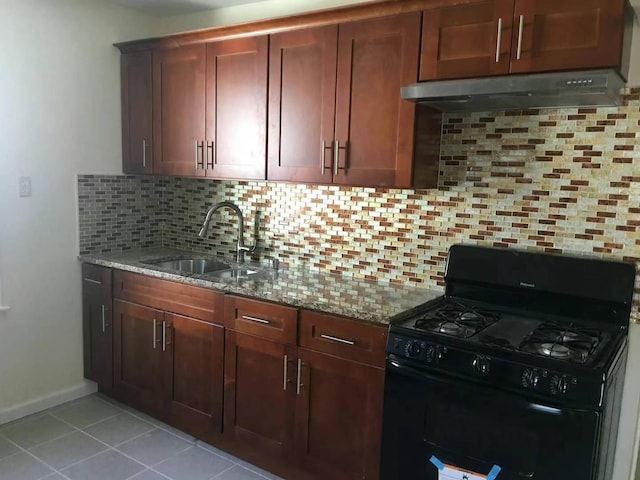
(95, 438)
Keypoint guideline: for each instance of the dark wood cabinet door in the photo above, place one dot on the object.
(374, 126)
(259, 393)
(193, 373)
(97, 326)
(137, 355)
(302, 83)
(339, 417)
(566, 35)
(179, 110)
(237, 108)
(136, 71)
(471, 40)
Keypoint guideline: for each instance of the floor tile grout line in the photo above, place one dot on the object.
(23, 450)
(217, 475)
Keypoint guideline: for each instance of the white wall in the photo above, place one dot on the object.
(60, 115)
(247, 13)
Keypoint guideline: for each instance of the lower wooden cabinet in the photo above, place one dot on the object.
(338, 417)
(297, 392)
(97, 328)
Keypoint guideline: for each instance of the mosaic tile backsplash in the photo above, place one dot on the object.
(556, 180)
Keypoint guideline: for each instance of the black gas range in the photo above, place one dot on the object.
(516, 370)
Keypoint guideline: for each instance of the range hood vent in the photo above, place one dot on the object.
(509, 92)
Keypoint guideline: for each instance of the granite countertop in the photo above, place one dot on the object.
(340, 295)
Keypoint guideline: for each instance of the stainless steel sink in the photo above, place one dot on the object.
(192, 265)
(233, 274)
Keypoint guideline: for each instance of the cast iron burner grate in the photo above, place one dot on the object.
(573, 344)
(457, 320)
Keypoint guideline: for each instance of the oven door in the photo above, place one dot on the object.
(474, 427)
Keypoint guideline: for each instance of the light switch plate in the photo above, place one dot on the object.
(25, 187)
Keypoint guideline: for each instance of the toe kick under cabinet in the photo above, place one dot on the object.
(294, 391)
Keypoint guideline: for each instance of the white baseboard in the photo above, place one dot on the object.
(47, 401)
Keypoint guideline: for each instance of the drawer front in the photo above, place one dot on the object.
(344, 338)
(196, 302)
(267, 320)
(97, 277)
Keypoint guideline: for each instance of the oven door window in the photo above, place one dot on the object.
(473, 426)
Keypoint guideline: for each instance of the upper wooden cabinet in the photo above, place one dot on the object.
(495, 37)
(197, 110)
(137, 112)
(335, 112)
(179, 110)
(236, 109)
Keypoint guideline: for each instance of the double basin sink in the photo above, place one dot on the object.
(203, 266)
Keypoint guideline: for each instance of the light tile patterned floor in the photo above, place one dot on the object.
(95, 438)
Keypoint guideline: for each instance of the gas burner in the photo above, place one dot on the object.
(457, 320)
(554, 350)
(559, 342)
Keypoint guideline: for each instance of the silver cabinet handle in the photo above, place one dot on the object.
(338, 339)
(298, 383)
(336, 157)
(164, 336)
(104, 325)
(210, 148)
(95, 282)
(199, 164)
(520, 31)
(144, 153)
(255, 319)
(499, 41)
(154, 333)
(322, 166)
(284, 382)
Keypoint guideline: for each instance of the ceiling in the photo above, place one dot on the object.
(166, 8)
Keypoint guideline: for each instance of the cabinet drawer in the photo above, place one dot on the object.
(188, 300)
(344, 338)
(267, 320)
(98, 277)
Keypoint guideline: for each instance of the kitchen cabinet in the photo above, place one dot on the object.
(259, 392)
(97, 328)
(335, 114)
(339, 408)
(137, 112)
(179, 110)
(209, 110)
(496, 37)
(236, 108)
(327, 405)
(168, 353)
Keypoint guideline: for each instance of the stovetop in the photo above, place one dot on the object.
(562, 340)
(538, 354)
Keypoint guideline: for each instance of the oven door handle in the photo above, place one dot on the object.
(400, 368)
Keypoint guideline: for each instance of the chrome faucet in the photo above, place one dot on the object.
(241, 247)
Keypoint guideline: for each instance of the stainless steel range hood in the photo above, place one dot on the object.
(564, 89)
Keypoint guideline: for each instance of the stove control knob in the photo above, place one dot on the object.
(530, 378)
(559, 385)
(414, 349)
(431, 353)
(481, 365)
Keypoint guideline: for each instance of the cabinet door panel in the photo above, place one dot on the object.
(137, 112)
(194, 374)
(137, 354)
(179, 110)
(258, 408)
(237, 108)
(339, 417)
(462, 41)
(302, 82)
(374, 126)
(97, 325)
(567, 35)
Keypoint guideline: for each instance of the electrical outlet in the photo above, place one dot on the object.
(25, 186)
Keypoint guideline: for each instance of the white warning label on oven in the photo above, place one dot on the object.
(453, 473)
(450, 472)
